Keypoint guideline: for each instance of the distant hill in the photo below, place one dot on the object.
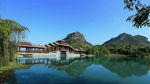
(77, 40)
(127, 39)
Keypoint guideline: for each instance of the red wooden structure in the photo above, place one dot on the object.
(27, 47)
(61, 45)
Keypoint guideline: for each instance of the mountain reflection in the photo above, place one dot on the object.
(123, 67)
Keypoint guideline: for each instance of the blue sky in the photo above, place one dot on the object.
(51, 20)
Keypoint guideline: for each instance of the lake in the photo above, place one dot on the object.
(93, 70)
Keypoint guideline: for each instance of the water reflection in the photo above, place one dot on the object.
(8, 77)
(124, 67)
(80, 70)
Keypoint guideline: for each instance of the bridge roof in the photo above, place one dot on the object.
(22, 41)
(26, 46)
(62, 43)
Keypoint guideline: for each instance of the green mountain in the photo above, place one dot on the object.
(77, 40)
(126, 40)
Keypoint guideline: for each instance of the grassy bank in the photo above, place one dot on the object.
(117, 55)
(12, 65)
(120, 55)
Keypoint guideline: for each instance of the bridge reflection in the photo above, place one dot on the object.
(123, 67)
(30, 60)
(35, 61)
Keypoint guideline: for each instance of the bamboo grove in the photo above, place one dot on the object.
(10, 33)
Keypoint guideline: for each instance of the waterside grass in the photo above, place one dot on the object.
(116, 55)
(12, 65)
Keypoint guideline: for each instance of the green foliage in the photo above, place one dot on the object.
(131, 51)
(10, 33)
(142, 13)
(12, 50)
(97, 50)
(90, 49)
(75, 43)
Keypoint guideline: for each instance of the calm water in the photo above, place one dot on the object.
(96, 70)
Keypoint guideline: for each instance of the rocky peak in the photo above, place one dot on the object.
(76, 36)
(124, 36)
(77, 40)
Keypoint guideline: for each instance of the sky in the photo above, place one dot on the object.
(52, 20)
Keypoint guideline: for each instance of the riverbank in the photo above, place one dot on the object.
(12, 65)
(110, 55)
(120, 55)
(117, 55)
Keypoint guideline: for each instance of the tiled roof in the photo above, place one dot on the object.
(38, 46)
(21, 41)
(63, 44)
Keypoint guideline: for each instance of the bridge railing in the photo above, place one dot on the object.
(34, 51)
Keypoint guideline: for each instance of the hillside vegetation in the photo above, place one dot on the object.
(77, 40)
(129, 45)
(124, 44)
(126, 39)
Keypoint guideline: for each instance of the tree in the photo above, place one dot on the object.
(10, 33)
(142, 13)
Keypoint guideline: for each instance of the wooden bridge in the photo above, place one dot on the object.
(61, 45)
(58, 48)
(27, 47)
